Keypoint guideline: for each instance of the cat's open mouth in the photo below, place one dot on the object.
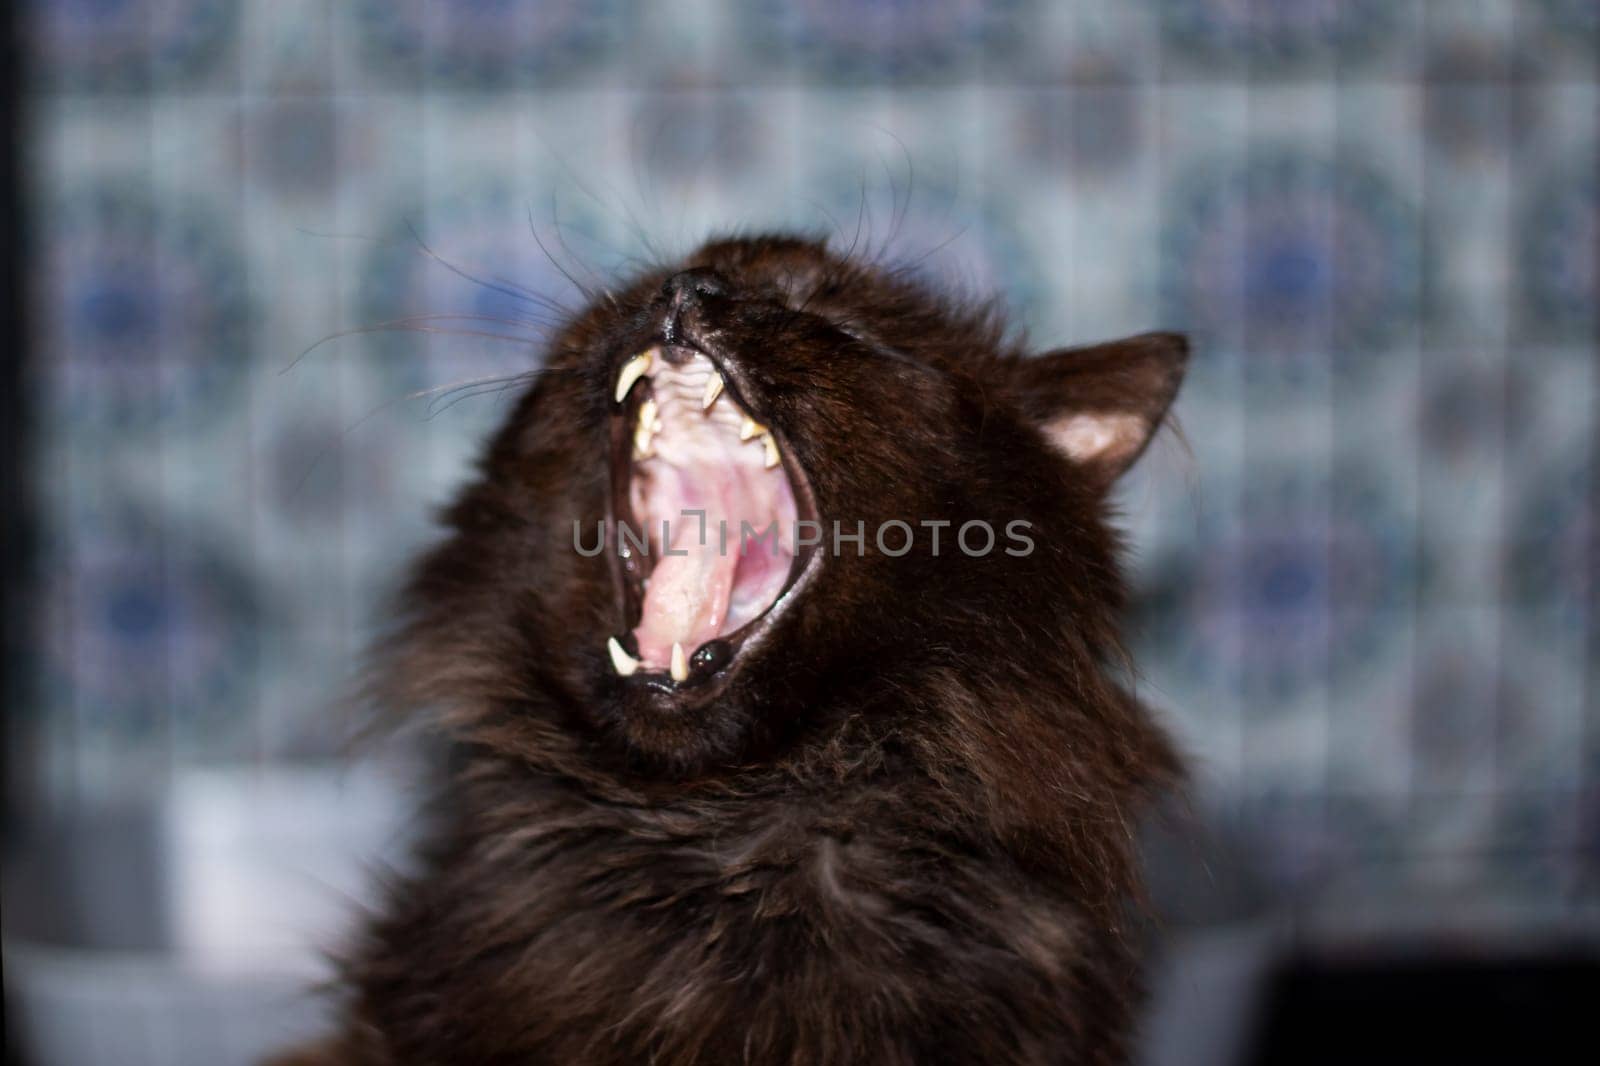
(706, 509)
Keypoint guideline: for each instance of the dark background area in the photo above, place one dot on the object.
(14, 411)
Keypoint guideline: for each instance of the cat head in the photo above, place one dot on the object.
(768, 490)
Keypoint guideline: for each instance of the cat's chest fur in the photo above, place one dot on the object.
(777, 928)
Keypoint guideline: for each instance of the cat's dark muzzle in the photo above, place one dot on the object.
(712, 523)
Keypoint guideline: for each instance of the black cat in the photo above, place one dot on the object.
(835, 767)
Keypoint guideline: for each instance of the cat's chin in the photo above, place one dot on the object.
(713, 523)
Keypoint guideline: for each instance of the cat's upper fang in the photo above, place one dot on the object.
(632, 371)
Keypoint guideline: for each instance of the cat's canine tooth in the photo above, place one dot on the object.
(624, 663)
(647, 426)
(642, 447)
(680, 663)
(632, 371)
(750, 428)
(771, 446)
(713, 390)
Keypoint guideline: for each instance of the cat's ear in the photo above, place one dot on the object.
(1099, 405)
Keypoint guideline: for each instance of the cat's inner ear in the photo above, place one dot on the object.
(1100, 405)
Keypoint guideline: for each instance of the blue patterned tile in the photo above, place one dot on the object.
(132, 348)
(1534, 854)
(1559, 227)
(884, 39)
(1460, 695)
(122, 45)
(1293, 260)
(152, 634)
(1474, 114)
(1307, 36)
(1092, 130)
(295, 148)
(1562, 37)
(1552, 545)
(487, 45)
(1309, 572)
(692, 136)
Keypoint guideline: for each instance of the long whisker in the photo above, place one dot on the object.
(863, 217)
(902, 206)
(630, 220)
(822, 209)
(911, 265)
(469, 390)
(533, 231)
(561, 238)
(518, 292)
(506, 381)
(410, 324)
(505, 288)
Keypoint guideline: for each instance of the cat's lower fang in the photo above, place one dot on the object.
(624, 663)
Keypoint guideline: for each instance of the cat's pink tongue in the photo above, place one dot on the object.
(687, 598)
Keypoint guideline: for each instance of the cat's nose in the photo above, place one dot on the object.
(683, 292)
(692, 284)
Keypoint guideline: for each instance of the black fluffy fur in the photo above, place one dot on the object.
(901, 831)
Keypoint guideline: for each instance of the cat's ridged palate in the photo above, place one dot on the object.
(860, 801)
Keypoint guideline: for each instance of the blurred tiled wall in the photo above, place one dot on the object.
(1368, 586)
